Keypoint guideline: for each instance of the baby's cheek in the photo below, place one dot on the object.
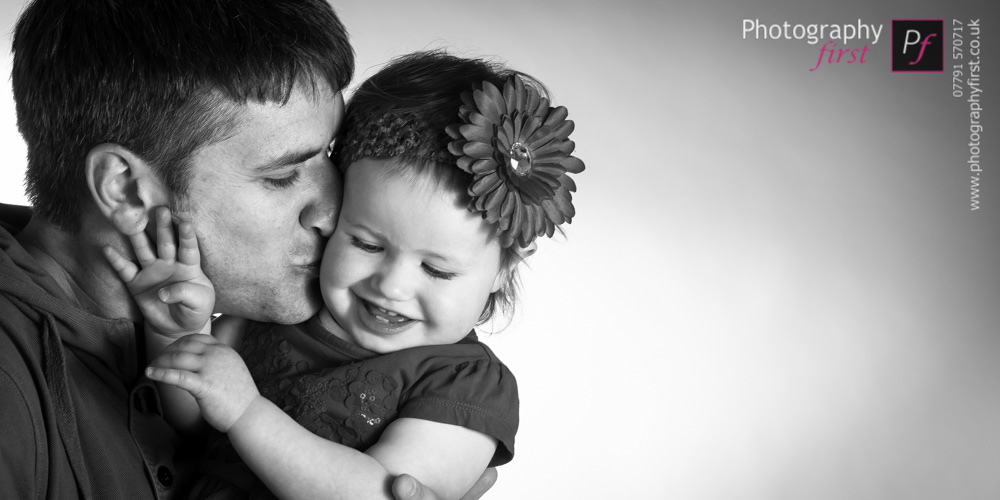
(453, 319)
(331, 275)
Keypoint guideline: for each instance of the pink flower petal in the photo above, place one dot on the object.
(533, 100)
(454, 131)
(517, 217)
(494, 201)
(489, 102)
(563, 129)
(553, 147)
(477, 133)
(504, 138)
(483, 166)
(573, 164)
(531, 125)
(510, 95)
(567, 183)
(506, 210)
(509, 136)
(455, 147)
(480, 120)
(564, 203)
(549, 175)
(543, 107)
(520, 95)
(556, 115)
(484, 185)
(541, 136)
(465, 163)
(552, 212)
(478, 150)
(518, 124)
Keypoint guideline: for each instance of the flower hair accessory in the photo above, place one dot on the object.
(517, 149)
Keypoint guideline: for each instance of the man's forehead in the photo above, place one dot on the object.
(272, 134)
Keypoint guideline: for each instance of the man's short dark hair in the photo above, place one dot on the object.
(158, 77)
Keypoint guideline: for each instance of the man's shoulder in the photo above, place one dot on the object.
(22, 432)
(22, 318)
(14, 217)
(20, 365)
(16, 357)
(20, 332)
(25, 463)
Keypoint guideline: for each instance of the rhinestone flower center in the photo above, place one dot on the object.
(520, 159)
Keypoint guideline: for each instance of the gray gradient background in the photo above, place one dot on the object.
(774, 287)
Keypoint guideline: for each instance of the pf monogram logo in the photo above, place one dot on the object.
(918, 45)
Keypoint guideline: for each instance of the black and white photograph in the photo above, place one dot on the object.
(434, 249)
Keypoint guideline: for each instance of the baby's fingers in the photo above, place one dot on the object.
(178, 361)
(143, 251)
(165, 234)
(194, 303)
(187, 253)
(125, 268)
(191, 382)
(191, 295)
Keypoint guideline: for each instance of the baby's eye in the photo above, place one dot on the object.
(437, 273)
(283, 182)
(363, 246)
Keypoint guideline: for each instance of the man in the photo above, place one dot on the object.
(223, 111)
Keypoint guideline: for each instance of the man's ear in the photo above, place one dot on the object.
(123, 186)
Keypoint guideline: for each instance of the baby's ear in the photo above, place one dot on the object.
(527, 251)
(123, 186)
(505, 274)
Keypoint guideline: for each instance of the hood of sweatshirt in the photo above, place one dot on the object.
(112, 341)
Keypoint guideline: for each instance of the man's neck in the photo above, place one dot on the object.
(77, 264)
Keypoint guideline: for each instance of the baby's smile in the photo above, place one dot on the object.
(381, 320)
(383, 315)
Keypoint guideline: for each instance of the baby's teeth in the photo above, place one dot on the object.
(390, 313)
(380, 319)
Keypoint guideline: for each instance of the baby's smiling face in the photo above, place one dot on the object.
(408, 265)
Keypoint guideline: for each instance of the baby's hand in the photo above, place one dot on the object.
(171, 289)
(212, 372)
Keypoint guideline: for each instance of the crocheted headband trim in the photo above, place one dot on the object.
(390, 135)
(514, 144)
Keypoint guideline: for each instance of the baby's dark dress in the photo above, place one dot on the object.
(347, 394)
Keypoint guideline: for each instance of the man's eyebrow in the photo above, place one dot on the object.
(288, 158)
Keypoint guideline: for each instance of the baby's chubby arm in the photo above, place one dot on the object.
(445, 460)
(296, 464)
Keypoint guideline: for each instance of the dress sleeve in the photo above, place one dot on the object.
(479, 395)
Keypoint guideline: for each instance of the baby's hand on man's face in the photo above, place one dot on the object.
(169, 286)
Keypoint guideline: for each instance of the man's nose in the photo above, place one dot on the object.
(322, 211)
(321, 217)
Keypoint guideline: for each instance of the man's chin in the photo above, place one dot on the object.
(297, 312)
(284, 309)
